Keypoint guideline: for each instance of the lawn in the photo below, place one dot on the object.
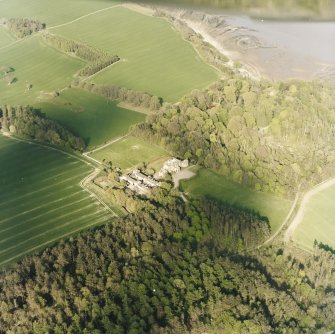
(319, 220)
(36, 64)
(41, 200)
(210, 184)
(129, 152)
(92, 117)
(154, 57)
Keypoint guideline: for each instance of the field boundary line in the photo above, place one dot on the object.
(301, 212)
(89, 178)
(82, 17)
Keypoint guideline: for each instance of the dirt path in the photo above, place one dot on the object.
(306, 198)
(104, 145)
(288, 217)
(82, 17)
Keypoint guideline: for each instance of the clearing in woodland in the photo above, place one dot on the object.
(209, 184)
(90, 116)
(129, 152)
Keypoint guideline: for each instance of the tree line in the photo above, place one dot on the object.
(31, 123)
(269, 136)
(97, 59)
(112, 92)
(138, 276)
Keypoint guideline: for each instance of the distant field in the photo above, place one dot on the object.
(209, 184)
(129, 152)
(319, 220)
(90, 116)
(40, 199)
(155, 58)
(5, 37)
(36, 64)
(49, 11)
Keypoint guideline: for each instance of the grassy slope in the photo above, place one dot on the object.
(209, 184)
(90, 116)
(49, 11)
(39, 65)
(40, 198)
(319, 220)
(155, 58)
(129, 152)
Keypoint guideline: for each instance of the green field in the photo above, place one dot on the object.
(209, 184)
(319, 220)
(154, 57)
(49, 11)
(35, 63)
(5, 38)
(92, 117)
(41, 200)
(129, 152)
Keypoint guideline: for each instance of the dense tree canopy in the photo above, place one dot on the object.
(161, 271)
(28, 122)
(272, 137)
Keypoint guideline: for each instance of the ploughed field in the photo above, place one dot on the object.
(318, 222)
(41, 200)
(212, 185)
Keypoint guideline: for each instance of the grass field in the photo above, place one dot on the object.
(35, 63)
(41, 200)
(90, 116)
(319, 220)
(155, 58)
(209, 184)
(129, 152)
(49, 11)
(5, 37)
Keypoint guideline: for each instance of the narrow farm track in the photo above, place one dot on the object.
(44, 197)
(82, 17)
(18, 41)
(301, 212)
(87, 154)
(287, 219)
